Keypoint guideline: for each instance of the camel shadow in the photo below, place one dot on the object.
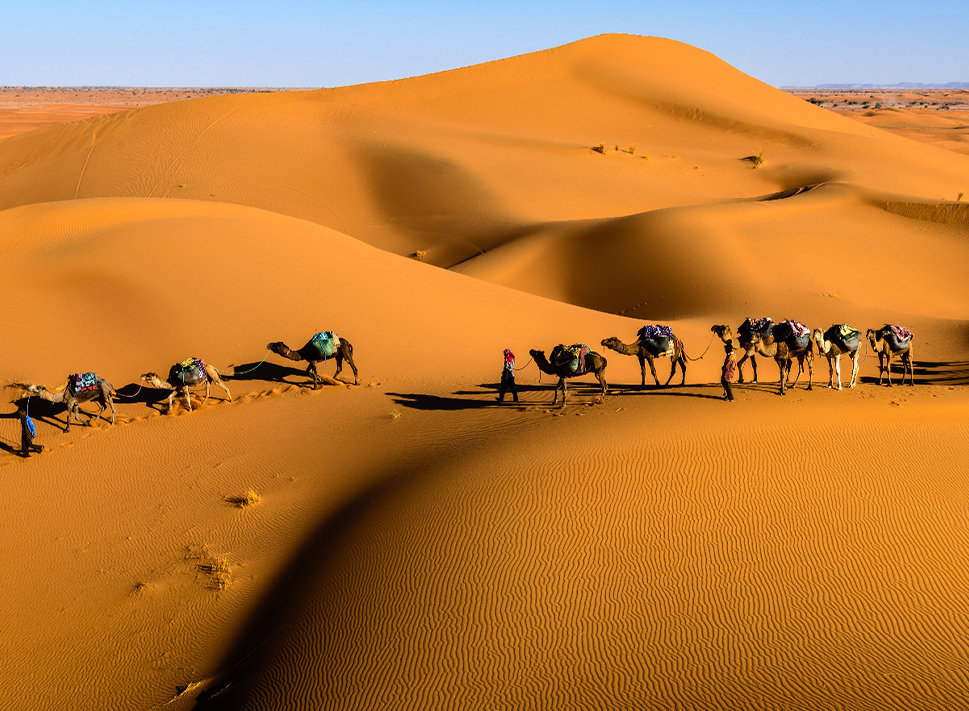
(138, 393)
(928, 372)
(266, 371)
(621, 390)
(424, 401)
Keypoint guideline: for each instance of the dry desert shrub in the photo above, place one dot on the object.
(250, 498)
(420, 255)
(601, 148)
(756, 160)
(219, 572)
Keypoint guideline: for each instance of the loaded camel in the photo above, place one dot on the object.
(833, 344)
(887, 345)
(744, 339)
(592, 362)
(314, 353)
(648, 349)
(99, 391)
(784, 347)
(185, 375)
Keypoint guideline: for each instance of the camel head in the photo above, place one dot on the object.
(873, 338)
(27, 388)
(723, 332)
(279, 348)
(151, 377)
(611, 342)
(536, 354)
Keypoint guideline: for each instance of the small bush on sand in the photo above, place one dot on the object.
(420, 255)
(601, 148)
(219, 572)
(960, 195)
(250, 498)
(756, 160)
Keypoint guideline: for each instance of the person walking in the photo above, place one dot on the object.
(27, 433)
(508, 378)
(729, 372)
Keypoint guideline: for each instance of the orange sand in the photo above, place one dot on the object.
(416, 545)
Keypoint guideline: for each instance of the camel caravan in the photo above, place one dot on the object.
(784, 342)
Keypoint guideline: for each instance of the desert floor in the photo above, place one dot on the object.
(406, 541)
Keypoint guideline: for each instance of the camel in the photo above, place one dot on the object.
(185, 375)
(832, 345)
(312, 353)
(743, 338)
(102, 392)
(646, 354)
(887, 346)
(591, 363)
(784, 348)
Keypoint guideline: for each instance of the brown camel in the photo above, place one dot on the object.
(185, 375)
(591, 363)
(101, 391)
(886, 344)
(784, 349)
(314, 353)
(647, 351)
(744, 340)
(832, 345)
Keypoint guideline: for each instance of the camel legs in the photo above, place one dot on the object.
(740, 366)
(311, 370)
(652, 370)
(642, 369)
(910, 362)
(188, 398)
(601, 375)
(784, 368)
(831, 373)
(837, 365)
(888, 368)
(345, 353)
(555, 396)
(855, 365)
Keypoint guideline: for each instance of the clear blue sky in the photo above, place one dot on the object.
(298, 43)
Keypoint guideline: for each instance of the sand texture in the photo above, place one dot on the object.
(406, 542)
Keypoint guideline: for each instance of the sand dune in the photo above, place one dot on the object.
(416, 545)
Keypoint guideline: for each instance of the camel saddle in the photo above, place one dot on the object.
(656, 339)
(81, 382)
(325, 343)
(847, 338)
(188, 372)
(751, 326)
(898, 337)
(570, 357)
(792, 331)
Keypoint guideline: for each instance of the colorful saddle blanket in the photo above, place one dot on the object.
(571, 357)
(188, 372)
(651, 332)
(325, 343)
(901, 333)
(81, 382)
(756, 325)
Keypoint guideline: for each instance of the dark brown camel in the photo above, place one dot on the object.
(185, 375)
(784, 349)
(103, 393)
(592, 363)
(887, 346)
(646, 352)
(312, 354)
(744, 340)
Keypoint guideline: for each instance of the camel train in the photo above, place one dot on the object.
(785, 342)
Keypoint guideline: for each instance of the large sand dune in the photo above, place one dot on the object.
(417, 545)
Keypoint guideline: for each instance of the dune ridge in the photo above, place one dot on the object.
(412, 543)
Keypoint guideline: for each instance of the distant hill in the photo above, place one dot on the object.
(899, 85)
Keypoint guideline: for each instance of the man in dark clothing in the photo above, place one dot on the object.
(729, 372)
(27, 433)
(508, 378)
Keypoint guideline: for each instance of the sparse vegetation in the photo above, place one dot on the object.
(631, 150)
(420, 255)
(960, 195)
(601, 148)
(250, 498)
(756, 160)
(395, 415)
(218, 571)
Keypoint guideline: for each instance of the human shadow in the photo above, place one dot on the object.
(425, 401)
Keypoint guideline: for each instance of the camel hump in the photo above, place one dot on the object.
(652, 331)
